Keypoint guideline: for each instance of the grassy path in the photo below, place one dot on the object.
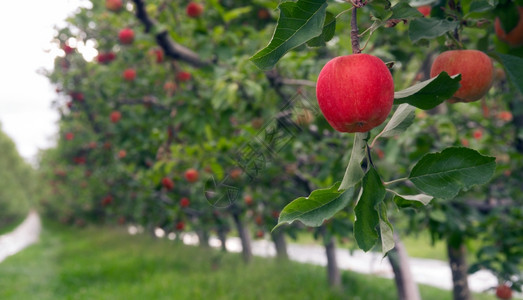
(104, 263)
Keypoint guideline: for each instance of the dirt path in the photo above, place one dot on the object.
(24, 235)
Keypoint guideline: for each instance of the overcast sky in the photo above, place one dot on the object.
(26, 29)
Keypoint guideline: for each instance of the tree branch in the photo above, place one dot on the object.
(170, 47)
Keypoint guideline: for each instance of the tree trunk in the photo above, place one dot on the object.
(222, 236)
(458, 266)
(244, 237)
(333, 273)
(399, 260)
(279, 243)
(203, 238)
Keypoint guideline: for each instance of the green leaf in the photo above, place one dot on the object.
(380, 10)
(354, 173)
(319, 206)
(429, 28)
(366, 211)
(414, 201)
(402, 118)
(429, 93)
(443, 175)
(329, 28)
(480, 6)
(299, 22)
(386, 230)
(514, 67)
(403, 10)
(236, 13)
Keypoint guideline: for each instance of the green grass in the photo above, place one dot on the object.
(105, 263)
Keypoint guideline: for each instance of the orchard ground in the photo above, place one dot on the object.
(107, 263)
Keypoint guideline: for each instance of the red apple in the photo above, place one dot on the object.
(169, 87)
(248, 199)
(69, 136)
(107, 200)
(122, 154)
(129, 74)
(115, 116)
(78, 96)
(194, 10)
(184, 202)
(355, 92)
(259, 234)
(180, 225)
(191, 175)
(67, 49)
(476, 71)
(478, 134)
(505, 116)
(183, 76)
(503, 292)
(126, 36)
(168, 183)
(515, 36)
(113, 5)
(235, 173)
(425, 10)
(263, 14)
(275, 214)
(158, 54)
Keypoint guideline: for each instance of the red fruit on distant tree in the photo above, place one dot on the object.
(478, 133)
(505, 116)
(258, 220)
(69, 136)
(115, 116)
(113, 5)
(122, 154)
(126, 36)
(180, 225)
(107, 200)
(476, 71)
(235, 173)
(503, 292)
(129, 74)
(105, 57)
(158, 54)
(69, 104)
(121, 220)
(169, 87)
(68, 49)
(260, 233)
(275, 214)
(184, 202)
(263, 14)
(194, 10)
(425, 10)
(168, 183)
(80, 160)
(248, 199)
(355, 92)
(92, 145)
(183, 76)
(515, 36)
(78, 96)
(191, 175)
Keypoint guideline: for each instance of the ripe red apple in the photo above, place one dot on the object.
(105, 57)
(184, 202)
(169, 87)
(263, 14)
(115, 116)
(113, 5)
(194, 10)
(183, 76)
(505, 116)
(476, 71)
(191, 175)
(180, 225)
(126, 36)
(168, 183)
(515, 36)
(275, 214)
(78, 96)
(157, 53)
(129, 74)
(425, 10)
(478, 134)
(69, 136)
(67, 49)
(258, 220)
(107, 200)
(259, 234)
(248, 199)
(122, 154)
(503, 292)
(355, 92)
(235, 173)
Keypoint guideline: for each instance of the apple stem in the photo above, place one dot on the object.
(354, 35)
